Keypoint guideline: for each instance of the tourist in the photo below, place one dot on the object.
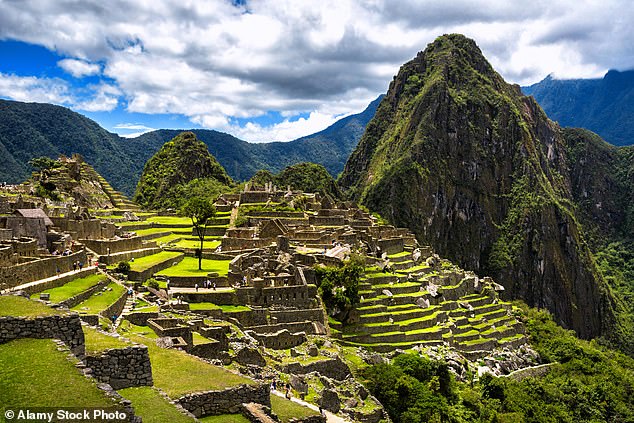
(80, 264)
(74, 266)
(274, 384)
(58, 271)
(214, 286)
(196, 286)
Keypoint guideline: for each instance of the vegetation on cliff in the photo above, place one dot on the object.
(478, 171)
(182, 166)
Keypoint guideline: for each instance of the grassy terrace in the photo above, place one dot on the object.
(100, 300)
(178, 373)
(144, 263)
(152, 406)
(170, 220)
(97, 342)
(224, 418)
(11, 305)
(189, 267)
(210, 243)
(34, 374)
(72, 288)
(287, 410)
(212, 306)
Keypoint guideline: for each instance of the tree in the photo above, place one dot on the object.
(200, 210)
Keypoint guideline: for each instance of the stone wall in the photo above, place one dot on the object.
(13, 276)
(116, 307)
(280, 340)
(289, 316)
(100, 246)
(56, 282)
(230, 244)
(73, 301)
(332, 368)
(141, 318)
(66, 327)
(127, 255)
(122, 367)
(228, 401)
(391, 245)
(84, 229)
(147, 273)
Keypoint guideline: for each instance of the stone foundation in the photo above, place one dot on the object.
(122, 367)
(228, 401)
(66, 327)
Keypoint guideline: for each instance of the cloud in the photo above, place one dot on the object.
(79, 68)
(32, 89)
(139, 129)
(215, 61)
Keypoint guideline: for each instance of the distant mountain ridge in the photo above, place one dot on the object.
(604, 105)
(29, 130)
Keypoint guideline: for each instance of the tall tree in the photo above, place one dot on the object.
(200, 210)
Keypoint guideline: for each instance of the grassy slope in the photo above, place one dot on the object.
(152, 407)
(11, 305)
(100, 300)
(72, 288)
(33, 373)
(189, 267)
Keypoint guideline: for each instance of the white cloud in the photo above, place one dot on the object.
(213, 61)
(79, 68)
(32, 89)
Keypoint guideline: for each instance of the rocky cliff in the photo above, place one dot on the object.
(479, 172)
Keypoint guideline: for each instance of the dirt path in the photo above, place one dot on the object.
(330, 418)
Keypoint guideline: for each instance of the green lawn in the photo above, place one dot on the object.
(151, 231)
(34, 374)
(101, 299)
(210, 244)
(12, 305)
(212, 306)
(144, 263)
(97, 342)
(189, 267)
(167, 239)
(178, 373)
(72, 288)
(224, 418)
(126, 328)
(286, 410)
(152, 407)
(170, 220)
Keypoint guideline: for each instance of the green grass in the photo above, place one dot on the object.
(12, 305)
(199, 339)
(97, 342)
(224, 418)
(152, 231)
(126, 328)
(170, 220)
(189, 267)
(286, 410)
(210, 244)
(203, 306)
(401, 254)
(72, 288)
(144, 263)
(100, 300)
(178, 373)
(34, 374)
(167, 239)
(152, 407)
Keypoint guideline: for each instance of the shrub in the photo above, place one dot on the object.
(123, 267)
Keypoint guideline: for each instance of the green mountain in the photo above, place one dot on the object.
(30, 130)
(605, 105)
(330, 147)
(167, 173)
(479, 172)
(307, 177)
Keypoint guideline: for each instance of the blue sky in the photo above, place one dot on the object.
(276, 70)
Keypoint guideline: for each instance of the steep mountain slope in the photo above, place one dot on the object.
(29, 130)
(605, 106)
(330, 147)
(178, 162)
(478, 171)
